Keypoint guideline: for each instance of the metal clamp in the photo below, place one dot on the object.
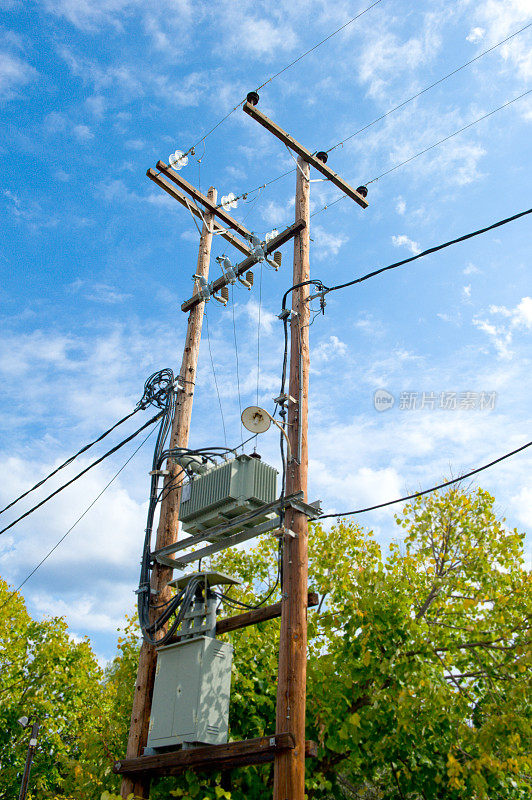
(285, 532)
(311, 510)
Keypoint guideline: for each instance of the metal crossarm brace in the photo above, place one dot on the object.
(311, 510)
(218, 211)
(161, 181)
(269, 247)
(244, 519)
(223, 544)
(304, 153)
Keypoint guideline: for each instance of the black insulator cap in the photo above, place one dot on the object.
(252, 98)
(255, 455)
(322, 156)
(363, 190)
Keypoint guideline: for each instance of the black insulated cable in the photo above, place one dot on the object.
(427, 252)
(153, 389)
(83, 472)
(428, 491)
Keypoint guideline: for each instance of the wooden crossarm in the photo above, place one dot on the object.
(213, 757)
(162, 181)
(219, 212)
(298, 148)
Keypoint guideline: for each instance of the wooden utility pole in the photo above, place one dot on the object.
(289, 776)
(168, 520)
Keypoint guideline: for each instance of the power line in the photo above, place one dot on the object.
(70, 460)
(155, 389)
(426, 89)
(62, 539)
(284, 69)
(236, 359)
(436, 144)
(214, 376)
(83, 472)
(428, 491)
(426, 150)
(427, 252)
(395, 108)
(306, 53)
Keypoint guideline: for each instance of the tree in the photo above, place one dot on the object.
(44, 673)
(418, 672)
(419, 662)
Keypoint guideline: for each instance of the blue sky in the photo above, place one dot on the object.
(95, 259)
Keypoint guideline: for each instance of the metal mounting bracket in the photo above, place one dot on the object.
(311, 510)
(284, 398)
(284, 532)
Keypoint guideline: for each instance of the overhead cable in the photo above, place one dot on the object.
(306, 53)
(393, 110)
(84, 471)
(280, 72)
(446, 139)
(214, 376)
(428, 491)
(426, 150)
(427, 252)
(151, 395)
(427, 88)
(62, 539)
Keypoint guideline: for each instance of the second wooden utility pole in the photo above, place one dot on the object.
(289, 776)
(168, 520)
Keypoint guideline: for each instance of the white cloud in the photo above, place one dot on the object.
(14, 74)
(326, 350)
(254, 312)
(274, 213)
(29, 212)
(522, 502)
(502, 334)
(471, 269)
(466, 293)
(135, 144)
(404, 241)
(82, 133)
(327, 244)
(99, 292)
(97, 105)
(500, 18)
(475, 35)
(400, 206)
(384, 56)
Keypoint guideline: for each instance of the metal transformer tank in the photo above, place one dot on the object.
(227, 491)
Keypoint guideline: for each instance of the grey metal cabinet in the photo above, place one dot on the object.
(191, 693)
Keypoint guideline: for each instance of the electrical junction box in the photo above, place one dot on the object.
(191, 693)
(227, 491)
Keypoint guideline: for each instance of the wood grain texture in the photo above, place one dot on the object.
(168, 521)
(214, 757)
(211, 206)
(289, 775)
(253, 617)
(162, 181)
(305, 154)
(270, 247)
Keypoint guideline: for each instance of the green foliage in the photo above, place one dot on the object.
(418, 672)
(45, 674)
